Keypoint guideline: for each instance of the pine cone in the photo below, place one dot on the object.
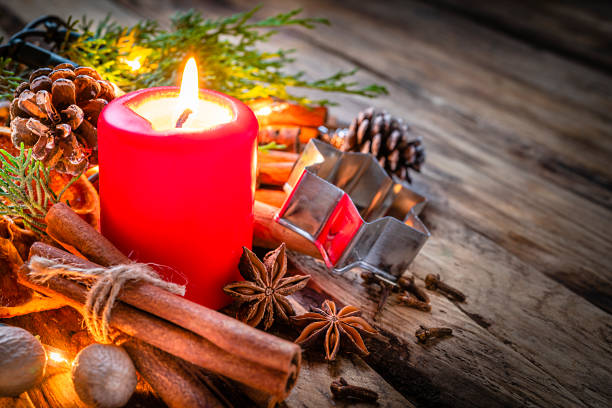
(56, 114)
(387, 138)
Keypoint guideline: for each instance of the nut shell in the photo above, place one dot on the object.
(104, 376)
(22, 361)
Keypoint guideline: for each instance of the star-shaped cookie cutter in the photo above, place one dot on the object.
(356, 215)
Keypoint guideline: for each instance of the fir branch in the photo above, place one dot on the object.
(226, 48)
(25, 191)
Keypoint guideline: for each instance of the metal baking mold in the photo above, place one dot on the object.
(356, 215)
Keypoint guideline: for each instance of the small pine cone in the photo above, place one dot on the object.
(387, 138)
(56, 113)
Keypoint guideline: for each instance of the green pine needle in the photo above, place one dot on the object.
(25, 191)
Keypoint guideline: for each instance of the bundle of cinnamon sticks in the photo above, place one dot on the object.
(168, 322)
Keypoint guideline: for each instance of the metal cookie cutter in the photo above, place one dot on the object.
(356, 215)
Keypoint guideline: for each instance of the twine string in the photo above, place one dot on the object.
(104, 285)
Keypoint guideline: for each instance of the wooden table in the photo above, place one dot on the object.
(514, 102)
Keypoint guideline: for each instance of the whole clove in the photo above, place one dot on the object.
(409, 285)
(412, 301)
(423, 334)
(385, 290)
(341, 389)
(433, 282)
(369, 278)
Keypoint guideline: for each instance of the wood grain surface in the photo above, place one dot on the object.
(514, 103)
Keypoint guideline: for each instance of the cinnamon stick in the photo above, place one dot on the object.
(165, 335)
(274, 198)
(80, 238)
(268, 233)
(275, 166)
(181, 388)
(275, 156)
(274, 174)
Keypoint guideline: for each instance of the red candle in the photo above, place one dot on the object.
(180, 197)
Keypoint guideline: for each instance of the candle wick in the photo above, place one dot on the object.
(183, 118)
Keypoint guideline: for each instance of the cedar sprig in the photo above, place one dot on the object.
(25, 191)
(227, 49)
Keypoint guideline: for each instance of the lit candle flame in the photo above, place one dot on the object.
(190, 91)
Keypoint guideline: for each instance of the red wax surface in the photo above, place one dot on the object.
(177, 198)
(340, 228)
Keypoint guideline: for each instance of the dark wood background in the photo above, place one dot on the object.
(514, 102)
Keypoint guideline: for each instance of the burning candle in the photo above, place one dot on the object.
(177, 180)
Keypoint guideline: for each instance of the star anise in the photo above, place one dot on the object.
(262, 295)
(327, 321)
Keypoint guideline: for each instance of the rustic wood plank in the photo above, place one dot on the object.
(573, 29)
(473, 368)
(567, 80)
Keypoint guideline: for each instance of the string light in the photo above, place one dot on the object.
(56, 359)
(134, 64)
